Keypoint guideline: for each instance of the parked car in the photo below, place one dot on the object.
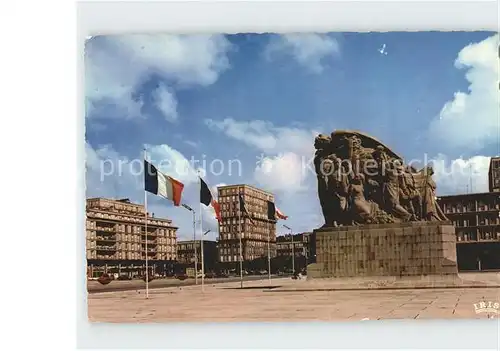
(210, 275)
(105, 278)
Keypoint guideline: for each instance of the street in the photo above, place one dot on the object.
(124, 285)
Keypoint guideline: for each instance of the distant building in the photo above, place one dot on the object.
(494, 175)
(300, 244)
(116, 239)
(477, 222)
(186, 253)
(255, 237)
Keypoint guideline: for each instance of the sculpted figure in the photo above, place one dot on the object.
(431, 210)
(392, 191)
(360, 180)
(409, 195)
(322, 143)
(376, 175)
(361, 209)
(337, 189)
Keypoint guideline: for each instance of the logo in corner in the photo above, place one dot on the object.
(487, 307)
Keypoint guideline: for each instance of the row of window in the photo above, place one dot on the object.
(262, 228)
(119, 217)
(470, 207)
(235, 258)
(130, 247)
(473, 236)
(284, 246)
(244, 220)
(92, 254)
(115, 206)
(92, 235)
(246, 192)
(251, 236)
(473, 222)
(252, 204)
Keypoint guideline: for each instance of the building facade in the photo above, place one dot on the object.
(300, 245)
(186, 254)
(257, 238)
(494, 175)
(476, 218)
(116, 239)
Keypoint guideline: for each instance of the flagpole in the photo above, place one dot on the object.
(201, 242)
(269, 254)
(146, 227)
(241, 245)
(195, 249)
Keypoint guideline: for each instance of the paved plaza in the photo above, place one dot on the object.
(285, 300)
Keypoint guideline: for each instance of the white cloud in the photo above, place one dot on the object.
(266, 137)
(165, 101)
(281, 173)
(285, 151)
(115, 66)
(111, 175)
(460, 175)
(191, 143)
(309, 50)
(472, 118)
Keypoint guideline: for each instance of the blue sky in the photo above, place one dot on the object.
(264, 97)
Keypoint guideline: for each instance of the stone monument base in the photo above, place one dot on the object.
(414, 249)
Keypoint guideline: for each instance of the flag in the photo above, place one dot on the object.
(207, 199)
(280, 214)
(273, 212)
(161, 184)
(216, 207)
(243, 208)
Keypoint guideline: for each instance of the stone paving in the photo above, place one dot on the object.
(257, 302)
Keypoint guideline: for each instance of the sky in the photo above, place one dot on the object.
(245, 109)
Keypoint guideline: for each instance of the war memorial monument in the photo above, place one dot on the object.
(381, 216)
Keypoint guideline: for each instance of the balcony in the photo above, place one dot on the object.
(104, 239)
(150, 242)
(106, 257)
(105, 248)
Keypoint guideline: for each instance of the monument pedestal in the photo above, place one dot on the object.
(403, 250)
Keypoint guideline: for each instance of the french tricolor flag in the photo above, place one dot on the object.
(273, 212)
(208, 199)
(280, 214)
(161, 184)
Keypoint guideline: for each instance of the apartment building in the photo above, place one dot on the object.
(476, 218)
(494, 175)
(186, 253)
(116, 238)
(256, 237)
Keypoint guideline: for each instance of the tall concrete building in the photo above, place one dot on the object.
(255, 236)
(494, 175)
(477, 223)
(116, 238)
(476, 218)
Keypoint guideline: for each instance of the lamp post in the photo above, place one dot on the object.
(203, 259)
(293, 248)
(194, 243)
